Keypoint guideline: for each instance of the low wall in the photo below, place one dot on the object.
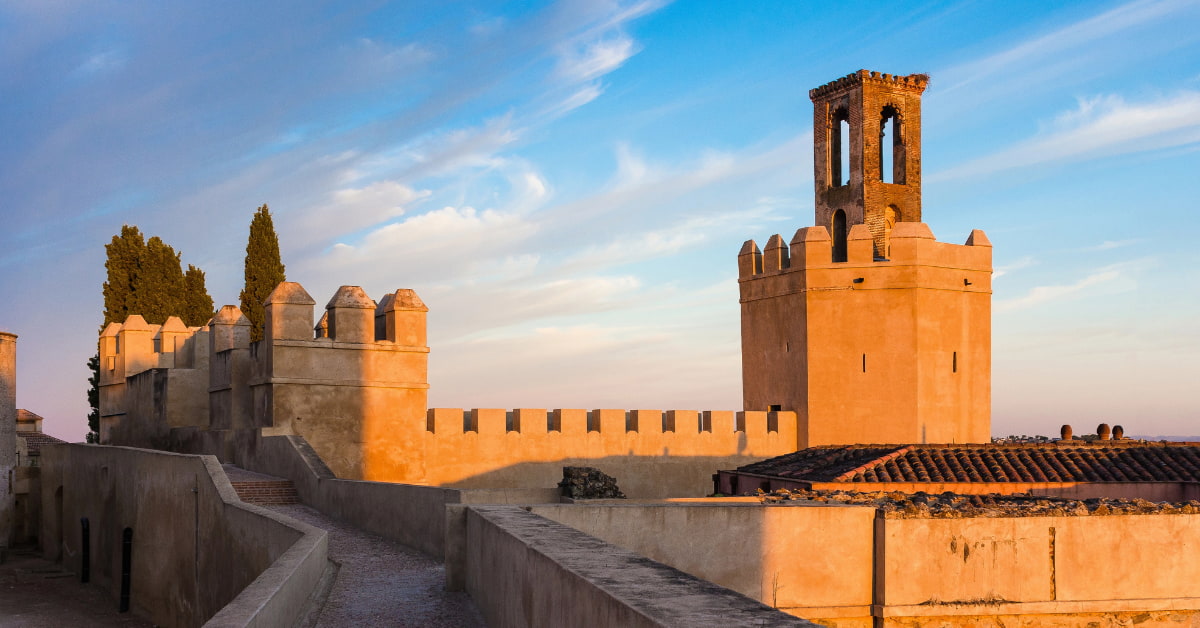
(847, 566)
(651, 453)
(409, 514)
(521, 569)
(196, 548)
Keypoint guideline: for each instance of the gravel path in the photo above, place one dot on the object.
(36, 593)
(384, 583)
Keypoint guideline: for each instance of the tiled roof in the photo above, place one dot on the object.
(24, 415)
(1054, 462)
(35, 440)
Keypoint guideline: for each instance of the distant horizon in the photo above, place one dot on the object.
(567, 185)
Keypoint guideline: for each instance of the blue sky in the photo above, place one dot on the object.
(567, 185)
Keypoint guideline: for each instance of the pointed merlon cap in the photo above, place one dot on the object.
(174, 324)
(860, 232)
(321, 330)
(229, 315)
(811, 234)
(352, 297)
(112, 330)
(912, 230)
(382, 307)
(291, 293)
(978, 238)
(135, 322)
(405, 299)
(749, 247)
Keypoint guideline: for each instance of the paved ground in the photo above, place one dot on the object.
(382, 583)
(35, 593)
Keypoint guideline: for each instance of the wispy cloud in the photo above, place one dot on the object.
(1113, 278)
(1022, 263)
(596, 58)
(1046, 54)
(1098, 127)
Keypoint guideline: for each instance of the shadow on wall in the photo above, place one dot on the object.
(639, 477)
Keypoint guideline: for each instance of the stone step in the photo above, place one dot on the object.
(280, 492)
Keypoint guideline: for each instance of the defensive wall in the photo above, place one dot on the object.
(856, 566)
(197, 553)
(354, 386)
(868, 349)
(8, 437)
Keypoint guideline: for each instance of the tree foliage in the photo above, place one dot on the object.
(264, 270)
(145, 277)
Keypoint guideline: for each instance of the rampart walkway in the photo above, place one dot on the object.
(380, 582)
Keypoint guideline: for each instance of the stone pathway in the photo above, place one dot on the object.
(383, 583)
(36, 593)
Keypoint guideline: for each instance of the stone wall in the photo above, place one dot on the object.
(526, 571)
(8, 436)
(195, 546)
(846, 566)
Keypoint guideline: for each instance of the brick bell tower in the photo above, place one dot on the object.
(865, 325)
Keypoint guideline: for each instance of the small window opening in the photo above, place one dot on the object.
(891, 146)
(839, 148)
(864, 363)
(839, 236)
(775, 407)
(787, 347)
(954, 364)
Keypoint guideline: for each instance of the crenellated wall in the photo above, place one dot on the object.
(870, 350)
(354, 386)
(651, 453)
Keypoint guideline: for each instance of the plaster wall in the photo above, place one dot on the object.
(521, 567)
(195, 545)
(8, 436)
(811, 557)
(871, 351)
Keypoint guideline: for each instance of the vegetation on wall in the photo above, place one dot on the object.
(264, 270)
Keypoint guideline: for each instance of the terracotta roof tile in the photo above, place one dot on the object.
(35, 440)
(1022, 462)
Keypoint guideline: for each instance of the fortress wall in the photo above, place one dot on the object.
(172, 503)
(813, 557)
(1095, 570)
(1152, 491)
(520, 567)
(832, 563)
(651, 453)
(8, 436)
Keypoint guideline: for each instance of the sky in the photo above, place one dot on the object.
(567, 185)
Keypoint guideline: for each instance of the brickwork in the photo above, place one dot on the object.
(281, 492)
(863, 98)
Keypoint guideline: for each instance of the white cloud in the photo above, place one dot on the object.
(597, 58)
(1097, 127)
(1024, 262)
(100, 62)
(1114, 278)
(1048, 50)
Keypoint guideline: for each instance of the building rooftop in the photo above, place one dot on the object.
(35, 440)
(1058, 461)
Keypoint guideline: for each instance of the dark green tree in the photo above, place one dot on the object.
(145, 277)
(264, 270)
(198, 306)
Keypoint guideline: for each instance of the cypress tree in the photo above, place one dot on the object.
(264, 270)
(145, 277)
(124, 265)
(198, 306)
(161, 290)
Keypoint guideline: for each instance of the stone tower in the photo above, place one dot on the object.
(865, 325)
(8, 434)
(867, 154)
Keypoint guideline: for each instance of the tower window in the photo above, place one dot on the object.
(954, 364)
(839, 148)
(839, 236)
(891, 146)
(864, 363)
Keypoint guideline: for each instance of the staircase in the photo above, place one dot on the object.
(256, 488)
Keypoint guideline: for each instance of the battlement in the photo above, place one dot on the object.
(911, 82)
(910, 243)
(491, 421)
